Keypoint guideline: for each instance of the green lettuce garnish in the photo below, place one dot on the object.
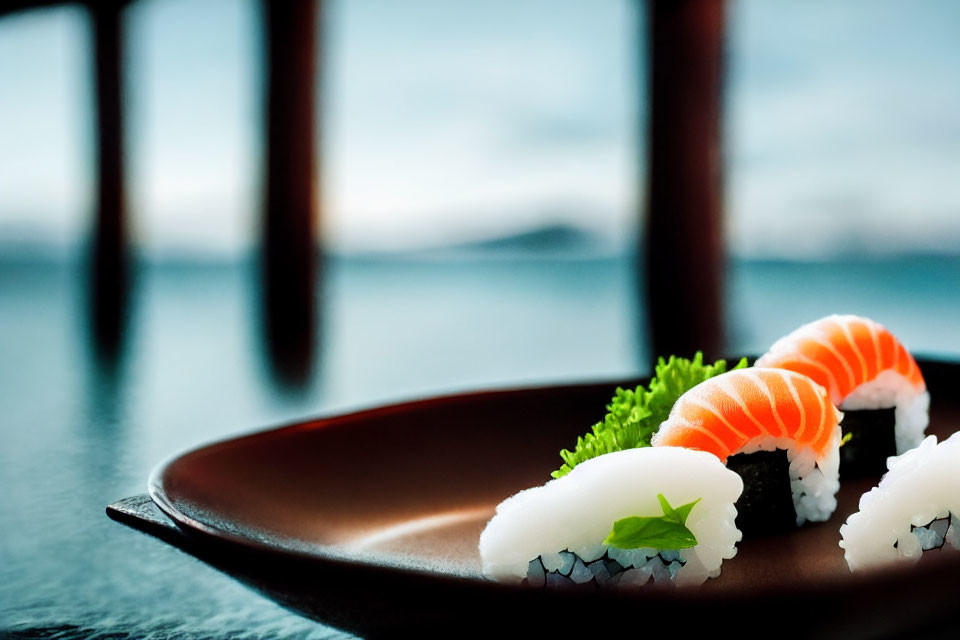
(668, 531)
(634, 416)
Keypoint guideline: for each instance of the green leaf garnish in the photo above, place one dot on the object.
(668, 531)
(846, 438)
(634, 416)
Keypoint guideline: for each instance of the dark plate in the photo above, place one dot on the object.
(370, 522)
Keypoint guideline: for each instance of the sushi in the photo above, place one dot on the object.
(623, 519)
(915, 508)
(778, 430)
(870, 376)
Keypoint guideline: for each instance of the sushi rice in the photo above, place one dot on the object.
(891, 389)
(894, 522)
(814, 480)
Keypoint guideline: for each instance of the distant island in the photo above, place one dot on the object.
(555, 241)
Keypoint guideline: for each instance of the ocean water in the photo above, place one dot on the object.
(76, 435)
(916, 297)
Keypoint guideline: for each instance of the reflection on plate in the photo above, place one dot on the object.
(370, 522)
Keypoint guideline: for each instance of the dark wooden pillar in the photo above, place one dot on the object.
(289, 252)
(683, 249)
(109, 260)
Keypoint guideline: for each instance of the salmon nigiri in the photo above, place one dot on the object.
(738, 414)
(870, 376)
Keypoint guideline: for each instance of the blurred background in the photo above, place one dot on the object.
(478, 175)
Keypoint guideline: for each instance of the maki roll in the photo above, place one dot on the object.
(915, 508)
(624, 519)
(870, 376)
(778, 430)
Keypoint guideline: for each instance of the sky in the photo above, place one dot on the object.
(844, 126)
(450, 120)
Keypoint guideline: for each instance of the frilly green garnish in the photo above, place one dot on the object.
(634, 416)
(668, 531)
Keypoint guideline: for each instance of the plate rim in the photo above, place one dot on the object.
(323, 555)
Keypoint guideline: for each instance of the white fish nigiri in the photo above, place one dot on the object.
(921, 487)
(564, 523)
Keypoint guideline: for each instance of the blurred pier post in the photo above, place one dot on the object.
(109, 260)
(289, 252)
(683, 243)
